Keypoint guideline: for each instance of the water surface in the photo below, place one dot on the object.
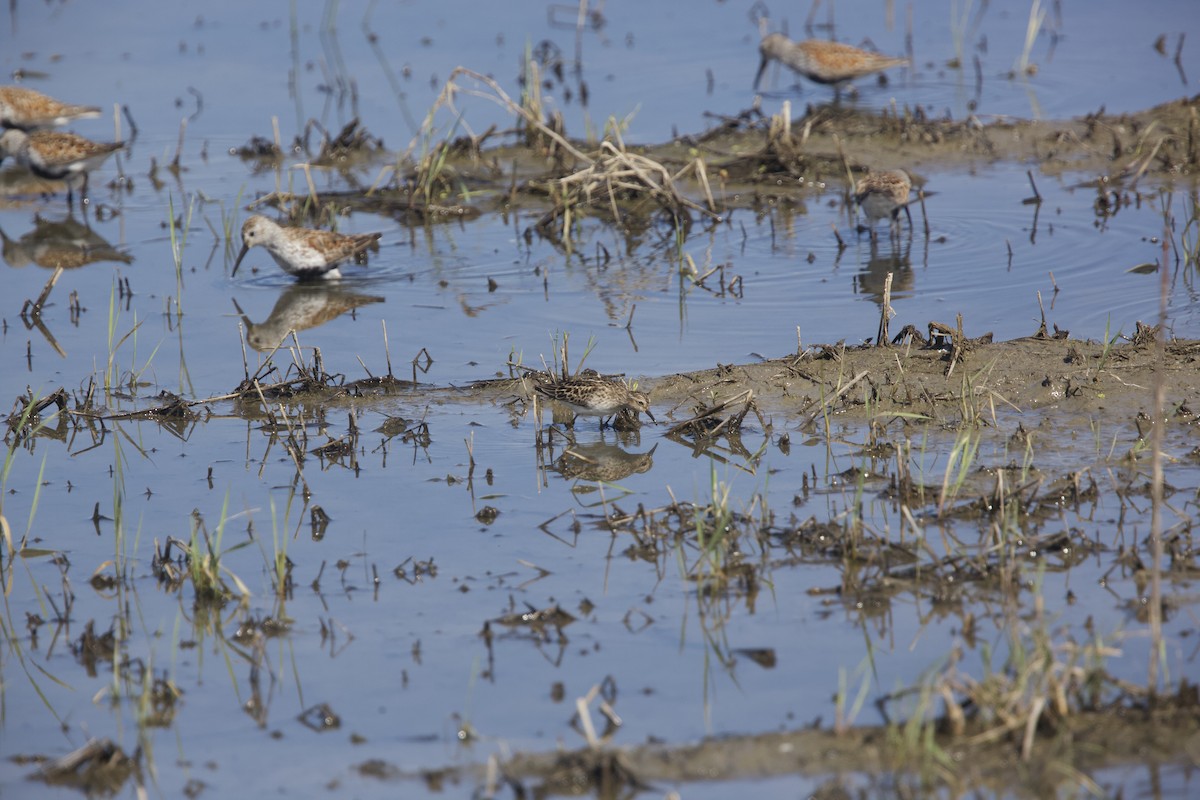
(401, 660)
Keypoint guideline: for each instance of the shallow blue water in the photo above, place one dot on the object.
(403, 663)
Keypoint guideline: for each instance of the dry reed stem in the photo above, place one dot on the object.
(828, 401)
(616, 166)
(501, 98)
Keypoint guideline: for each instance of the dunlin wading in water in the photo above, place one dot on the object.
(305, 253)
(830, 63)
(56, 156)
(884, 194)
(28, 110)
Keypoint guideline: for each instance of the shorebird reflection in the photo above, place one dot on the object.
(66, 243)
(601, 461)
(300, 307)
(895, 259)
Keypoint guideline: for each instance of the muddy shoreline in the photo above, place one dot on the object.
(1078, 746)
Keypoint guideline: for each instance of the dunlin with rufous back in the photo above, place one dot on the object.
(305, 253)
(884, 194)
(831, 63)
(56, 156)
(30, 110)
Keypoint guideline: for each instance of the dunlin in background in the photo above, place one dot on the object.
(56, 156)
(303, 252)
(884, 194)
(593, 395)
(821, 61)
(28, 110)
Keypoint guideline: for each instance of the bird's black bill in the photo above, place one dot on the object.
(238, 263)
(651, 416)
(762, 67)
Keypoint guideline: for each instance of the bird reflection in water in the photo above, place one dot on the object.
(600, 461)
(66, 243)
(300, 307)
(896, 260)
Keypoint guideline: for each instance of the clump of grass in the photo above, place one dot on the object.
(618, 176)
(1046, 677)
(113, 378)
(562, 355)
(723, 540)
(845, 712)
(203, 557)
(278, 562)
(532, 106)
(959, 465)
(230, 234)
(613, 174)
(179, 235)
(713, 527)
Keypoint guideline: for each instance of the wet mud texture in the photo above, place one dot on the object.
(1080, 745)
(750, 160)
(1075, 379)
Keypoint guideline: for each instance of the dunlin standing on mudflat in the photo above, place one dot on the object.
(884, 194)
(28, 110)
(821, 61)
(57, 156)
(303, 252)
(593, 395)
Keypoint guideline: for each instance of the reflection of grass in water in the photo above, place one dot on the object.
(721, 569)
(958, 31)
(19, 434)
(1036, 17)
(1189, 235)
(151, 697)
(1046, 676)
(23, 429)
(1180, 242)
